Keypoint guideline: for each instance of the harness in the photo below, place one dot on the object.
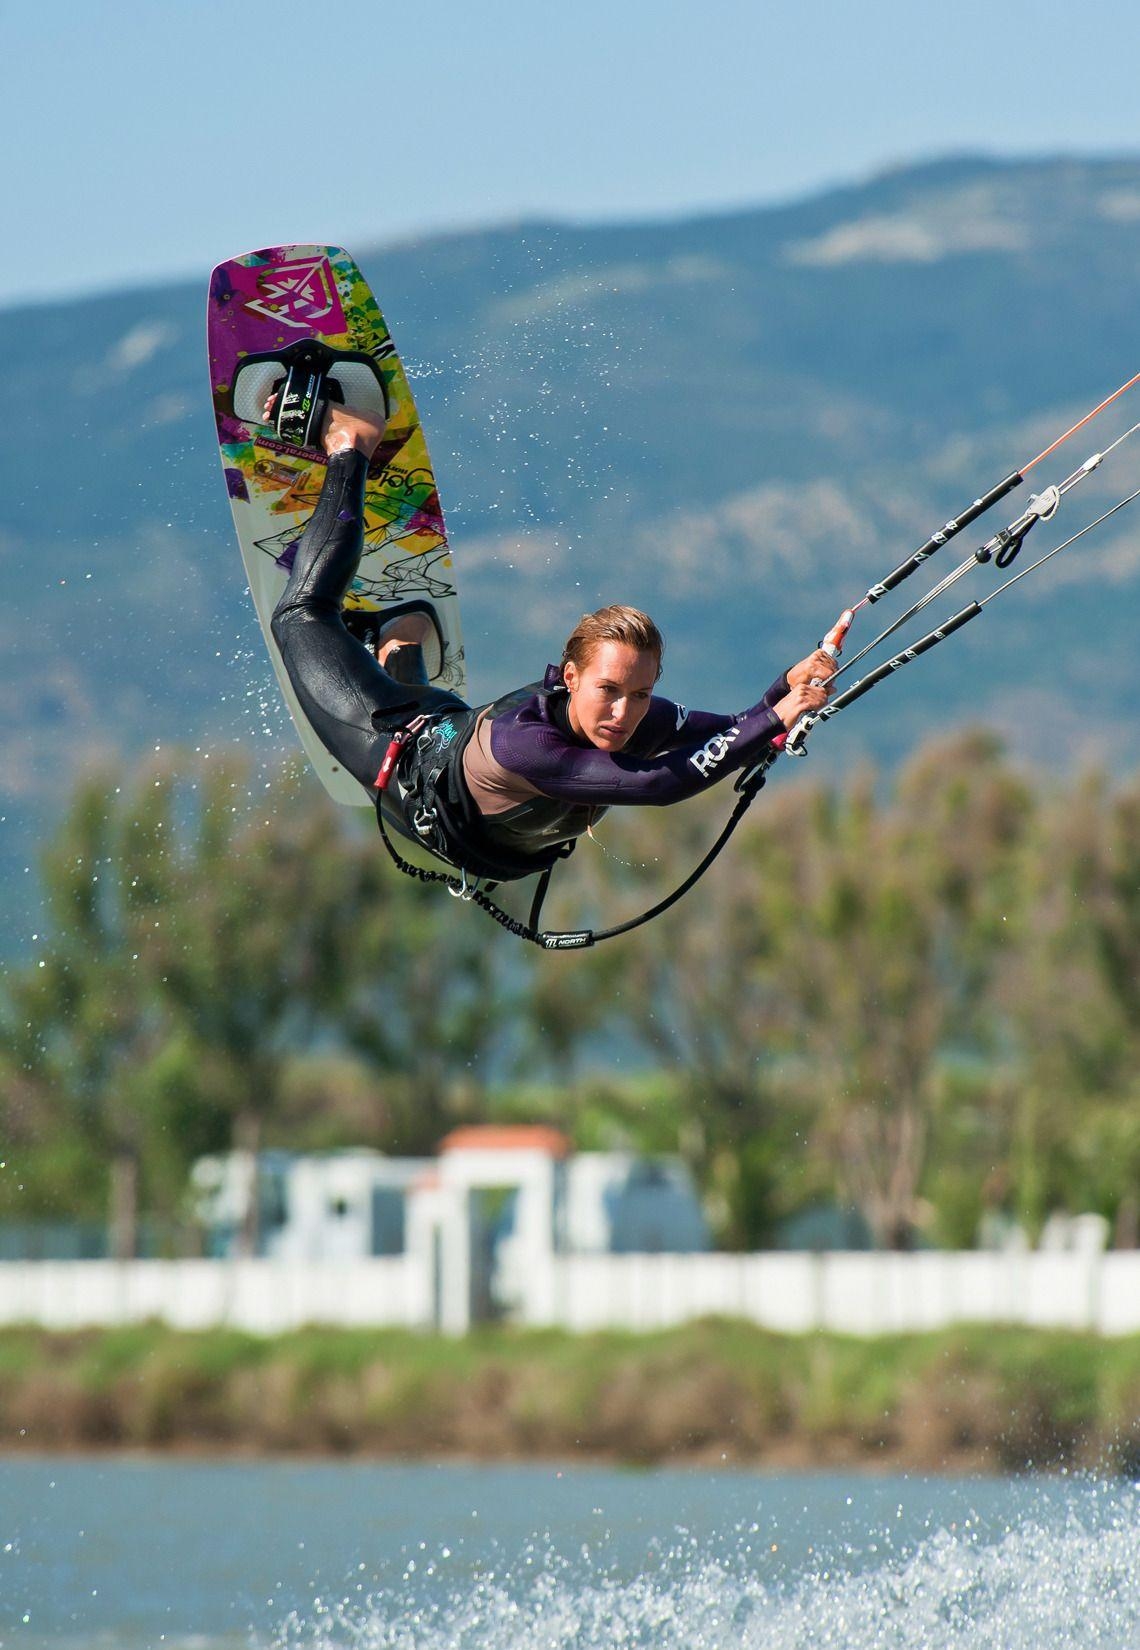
(425, 758)
(427, 822)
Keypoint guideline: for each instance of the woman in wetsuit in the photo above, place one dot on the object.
(503, 791)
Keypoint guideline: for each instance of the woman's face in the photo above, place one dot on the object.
(610, 694)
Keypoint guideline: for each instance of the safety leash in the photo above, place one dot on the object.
(575, 939)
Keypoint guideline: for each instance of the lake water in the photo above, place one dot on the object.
(134, 1553)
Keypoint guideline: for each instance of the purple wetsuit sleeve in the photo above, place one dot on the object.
(541, 755)
(668, 726)
(779, 690)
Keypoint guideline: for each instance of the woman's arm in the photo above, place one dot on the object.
(542, 756)
(673, 754)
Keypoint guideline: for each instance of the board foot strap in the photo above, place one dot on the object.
(305, 377)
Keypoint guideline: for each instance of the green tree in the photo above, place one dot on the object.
(697, 994)
(1074, 1000)
(423, 1003)
(258, 948)
(86, 1011)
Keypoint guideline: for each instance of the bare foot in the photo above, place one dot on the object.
(345, 430)
(412, 629)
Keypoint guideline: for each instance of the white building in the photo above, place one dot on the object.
(312, 1207)
(487, 1217)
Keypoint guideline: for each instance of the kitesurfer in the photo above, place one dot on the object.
(505, 790)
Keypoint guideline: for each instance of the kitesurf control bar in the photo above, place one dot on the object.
(887, 668)
(933, 637)
(980, 505)
(1002, 548)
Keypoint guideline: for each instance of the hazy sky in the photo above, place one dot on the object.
(150, 138)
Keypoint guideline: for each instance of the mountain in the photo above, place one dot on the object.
(737, 421)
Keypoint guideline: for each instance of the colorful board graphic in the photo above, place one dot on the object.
(266, 301)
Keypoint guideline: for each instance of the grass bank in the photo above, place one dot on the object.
(708, 1393)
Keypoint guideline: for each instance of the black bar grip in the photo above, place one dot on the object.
(889, 666)
(943, 536)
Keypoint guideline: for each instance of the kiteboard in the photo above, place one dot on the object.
(280, 310)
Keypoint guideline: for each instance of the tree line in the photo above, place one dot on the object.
(917, 998)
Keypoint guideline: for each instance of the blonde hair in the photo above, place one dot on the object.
(613, 624)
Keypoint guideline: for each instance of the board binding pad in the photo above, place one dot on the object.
(278, 317)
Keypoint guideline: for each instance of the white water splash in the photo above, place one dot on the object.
(1070, 1578)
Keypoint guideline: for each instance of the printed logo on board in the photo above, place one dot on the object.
(298, 294)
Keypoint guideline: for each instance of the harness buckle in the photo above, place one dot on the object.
(423, 821)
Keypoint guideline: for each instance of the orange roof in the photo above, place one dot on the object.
(508, 1137)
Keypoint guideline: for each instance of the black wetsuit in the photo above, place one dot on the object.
(353, 705)
(524, 740)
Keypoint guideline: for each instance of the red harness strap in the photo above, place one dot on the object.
(392, 754)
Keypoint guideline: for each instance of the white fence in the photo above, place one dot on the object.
(857, 1294)
(860, 1294)
(266, 1297)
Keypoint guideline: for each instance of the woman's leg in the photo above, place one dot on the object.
(353, 704)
